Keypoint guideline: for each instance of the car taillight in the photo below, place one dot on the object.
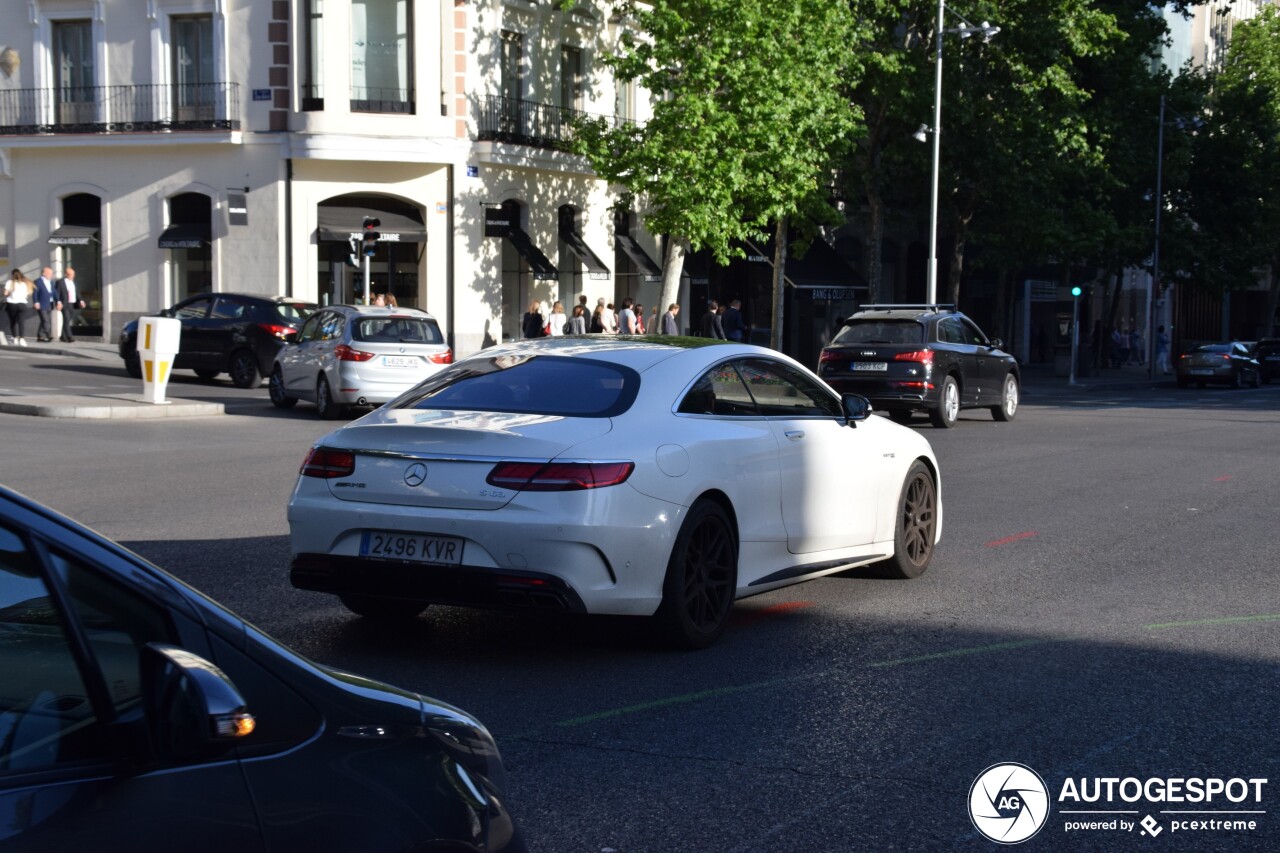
(924, 356)
(327, 464)
(345, 353)
(275, 330)
(828, 355)
(445, 357)
(558, 476)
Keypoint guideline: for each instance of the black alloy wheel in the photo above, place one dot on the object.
(275, 388)
(701, 581)
(244, 369)
(387, 609)
(915, 531)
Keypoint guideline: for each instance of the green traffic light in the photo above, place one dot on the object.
(1075, 291)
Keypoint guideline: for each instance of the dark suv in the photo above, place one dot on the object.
(1267, 353)
(233, 333)
(921, 358)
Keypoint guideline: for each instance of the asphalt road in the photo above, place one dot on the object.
(1105, 604)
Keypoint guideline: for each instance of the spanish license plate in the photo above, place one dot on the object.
(1272, 358)
(1201, 371)
(399, 361)
(870, 365)
(413, 547)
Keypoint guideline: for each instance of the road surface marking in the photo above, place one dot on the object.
(1224, 620)
(1026, 534)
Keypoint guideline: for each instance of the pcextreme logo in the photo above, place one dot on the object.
(1008, 803)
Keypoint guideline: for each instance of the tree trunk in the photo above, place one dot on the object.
(779, 270)
(1113, 310)
(1273, 299)
(957, 263)
(672, 268)
(874, 265)
(1004, 306)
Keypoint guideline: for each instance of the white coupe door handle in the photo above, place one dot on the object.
(794, 434)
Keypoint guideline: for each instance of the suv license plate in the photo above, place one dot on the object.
(413, 547)
(870, 365)
(399, 361)
(1201, 371)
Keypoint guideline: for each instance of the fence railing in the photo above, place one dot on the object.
(501, 119)
(120, 109)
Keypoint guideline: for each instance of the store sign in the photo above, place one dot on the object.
(237, 209)
(497, 222)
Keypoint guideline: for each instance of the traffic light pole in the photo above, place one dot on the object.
(1075, 332)
(368, 262)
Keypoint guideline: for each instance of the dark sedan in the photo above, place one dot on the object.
(1267, 353)
(1228, 363)
(232, 333)
(921, 358)
(136, 714)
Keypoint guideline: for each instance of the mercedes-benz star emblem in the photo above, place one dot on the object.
(415, 474)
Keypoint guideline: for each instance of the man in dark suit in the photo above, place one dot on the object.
(711, 323)
(69, 303)
(43, 300)
(734, 327)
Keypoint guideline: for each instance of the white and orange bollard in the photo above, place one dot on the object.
(158, 339)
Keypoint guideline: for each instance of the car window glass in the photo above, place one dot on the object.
(973, 335)
(880, 332)
(782, 391)
(331, 326)
(46, 717)
(225, 308)
(403, 330)
(719, 391)
(528, 384)
(193, 310)
(950, 331)
(311, 329)
(295, 312)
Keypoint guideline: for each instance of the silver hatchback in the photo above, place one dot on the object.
(357, 355)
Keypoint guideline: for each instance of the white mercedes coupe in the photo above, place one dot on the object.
(662, 477)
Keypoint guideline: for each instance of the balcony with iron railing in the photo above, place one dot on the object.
(501, 119)
(120, 109)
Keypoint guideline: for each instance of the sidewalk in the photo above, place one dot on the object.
(95, 406)
(1041, 380)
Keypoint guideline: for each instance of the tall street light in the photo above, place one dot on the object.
(985, 31)
(1154, 291)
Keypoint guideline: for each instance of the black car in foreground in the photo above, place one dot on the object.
(233, 333)
(136, 714)
(921, 358)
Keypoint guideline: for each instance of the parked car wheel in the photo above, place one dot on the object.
(275, 388)
(702, 574)
(1008, 407)
(945, 414)
(244, 369)
(372, 607)
(325, 407)
(917, 519)
(133, 366)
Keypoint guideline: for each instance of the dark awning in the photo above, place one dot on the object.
(579, 247)
(186, 235)
(633, 250)
(820, 266)
(543, 269)
(74, 235)
(343, 223)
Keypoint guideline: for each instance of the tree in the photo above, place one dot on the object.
(750, 106)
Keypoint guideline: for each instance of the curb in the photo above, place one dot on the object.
(102, 408)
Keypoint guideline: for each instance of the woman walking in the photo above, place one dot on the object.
(557, 322)
(578, 322)
(17, 304)
(534, 326)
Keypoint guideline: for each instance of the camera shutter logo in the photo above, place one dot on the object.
(1008, 803)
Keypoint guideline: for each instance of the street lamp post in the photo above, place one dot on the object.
(1155, 252)
(986, 31)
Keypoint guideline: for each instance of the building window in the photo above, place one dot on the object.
(73, 72)
(625, 105)
(570, 77)
(381, 56)
(188, 240)
(312, 71)
(195, 94)
(511, 65)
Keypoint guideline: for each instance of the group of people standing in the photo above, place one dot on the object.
(24, 297)
(724, 322)
(604, 319)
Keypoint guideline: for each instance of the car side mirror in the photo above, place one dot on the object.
(856, 408)
(193, 709)
(290, 337)
(996, 343)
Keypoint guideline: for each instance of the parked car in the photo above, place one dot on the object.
(233, 333)
(357, 355)
(1267, 353)
(643, 477)
(921, 358)
(137, 714)
(1227, 362)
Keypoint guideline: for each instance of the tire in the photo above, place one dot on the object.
(901, 416)
(944, 415)
(916, 526)
(1237, 380)
(1009, 398)
(325, 407)
(701, 580)
(384, 609)
(244, 369)
(133, 366)
(275, 388)
(206, 374)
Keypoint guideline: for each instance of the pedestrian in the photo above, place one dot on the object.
(380, 301)
(668, 325)
(652, 325)
(1119, 346)
(578, 322)
(627, 318)
(609, 319)
(585, 306)
(712, 326)
(70, 303)
(391, 300)
(639, 312)
(597, 318)
(734, 327)
(1162, 350)
(18, 291)
(44, 299)
(1137, 352)
(533, 325)
(557, 323)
